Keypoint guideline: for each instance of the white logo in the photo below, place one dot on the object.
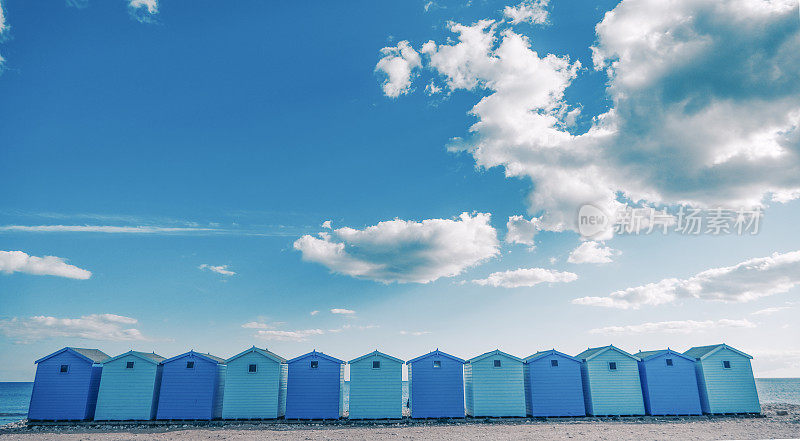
(591, 221)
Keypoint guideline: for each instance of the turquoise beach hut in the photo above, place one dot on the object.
(436, 386)
(494, 385)
(611, 384)
(376, 382)
(314, 389)
(66, 384)
(725, 379)
(129, 387)
(669, 384)
(192, 385)
(255, 385)
(553, 385)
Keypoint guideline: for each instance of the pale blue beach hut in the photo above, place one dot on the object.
(66, 384)
(192, 385)
(725, 379)
(255, 385)
(376, 382)
(129, 387)
(611, 384)
(315, 387)
(494, 385)
(436, 386)
(553, 385)
(669, 384)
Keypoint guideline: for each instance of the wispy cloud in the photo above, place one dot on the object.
(342, 311)
(314, 312)
(352, 328)
(674, 327)
(258, 325)
(219, 269)
(101, 327)
(297, 336)
(414, 333)
(18, 261)
(103, 229)
(144, 11)
(769, 311)
(526, 277)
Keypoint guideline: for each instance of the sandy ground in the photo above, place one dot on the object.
(769, 426)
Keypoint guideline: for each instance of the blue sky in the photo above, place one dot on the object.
(180, 163)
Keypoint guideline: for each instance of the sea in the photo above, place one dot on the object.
(15, 397)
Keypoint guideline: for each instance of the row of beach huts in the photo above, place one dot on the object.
(87, 384)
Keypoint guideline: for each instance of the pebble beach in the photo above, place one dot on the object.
(778, 421)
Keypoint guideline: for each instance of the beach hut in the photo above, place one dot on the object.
(725, 379)
(192, 385)
(315, 387)
(129, 387)
(66, 383)
(436, 386)
(553, 385)
(255, 385)
(494, 385)
(376, 386)
(669, 384)
(611, 384)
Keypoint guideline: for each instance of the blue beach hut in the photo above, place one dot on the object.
(553, 385)
(611, 384)
(494, 385)
(192, 385)
(669, 384)
(376, 382)
(129, 387)
(255, 385)
(315, 387)
(725, 379)
(436, 386)
(66, 384)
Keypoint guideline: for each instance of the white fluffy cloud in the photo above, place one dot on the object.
(531, 11)
(705, 107)
(342, 311)
(101, 327)
(3, 28)
(219, 269)
(143, 10)
(405, 251)
(18, 261)
(398, 64)
(298, 335)
(521, 230)
(592, 252)
(674, 327)
(526, 277)
(746, 281)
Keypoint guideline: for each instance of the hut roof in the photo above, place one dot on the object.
(374, 353)
(491, 353)
(317, 354)
(594, 352)
(434, 353)
(701, 352)
(264, 352)
(209, 357)
(151, 357)
(647, 355)
(541, 354)
(90, 355)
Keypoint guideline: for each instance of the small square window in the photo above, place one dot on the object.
(314, 364)
(376, 364)
(669, 361)
(64, 368)
(497, 363)
(252, 368)
(553, 363)
(189, 365)
(612, 365)
(129, 365)
(726, 364)
(437, 364)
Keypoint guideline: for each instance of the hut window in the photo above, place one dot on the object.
(189, 365)
(669, 361)
(314, 364)
(553, 363)
(437, 364)
(64, 368)
(726, 364)
(612, 365)
(129, 365)
(376, 364)
(497, 363)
